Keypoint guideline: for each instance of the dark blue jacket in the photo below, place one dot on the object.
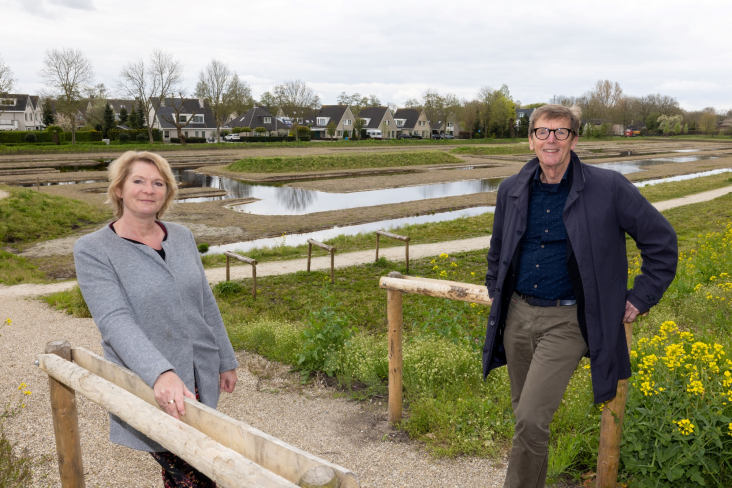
(601, 208)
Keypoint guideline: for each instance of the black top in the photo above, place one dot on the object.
(161, 251)
(542, 270)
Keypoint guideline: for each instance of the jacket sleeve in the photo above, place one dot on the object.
(212, 316)
(494, 252)
(108, 304)
(656, 239)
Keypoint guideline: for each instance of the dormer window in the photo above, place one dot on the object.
(267, 120)
(7, 101)
(183, 118)
(323, 120)
(197, 119)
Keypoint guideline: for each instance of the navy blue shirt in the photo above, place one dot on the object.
(542, 271)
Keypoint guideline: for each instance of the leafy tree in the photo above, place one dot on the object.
(294, 97)
(331, 129)
(677, 128)
(686, 128)
(412, 103)
(134, 120)
(652, 121)
(533, 105)
(123, 115)
(270, 101)
(108, 123)
(708, 122)
(358, 124)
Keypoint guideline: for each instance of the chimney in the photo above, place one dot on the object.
(200, 102)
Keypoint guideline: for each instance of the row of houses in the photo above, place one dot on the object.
(25, 112)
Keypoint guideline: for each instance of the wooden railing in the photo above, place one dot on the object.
(230, 452)
(332, 250)
(230, 255)
(396, 284)
(393, 236)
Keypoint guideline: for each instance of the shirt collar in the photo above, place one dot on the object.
(562, 183)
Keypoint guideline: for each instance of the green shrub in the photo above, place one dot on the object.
(21, 137)
(30, 137)
(54, 128)
(115, 133)
(276, 340)
(203, 248)
(324, 335)
(90, 136)
(142, 138)
(124, 138)
(227, 288)
(189, 140)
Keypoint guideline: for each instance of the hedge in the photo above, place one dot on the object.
(114, 134)
(86, 136)
(272, 139)
(18, 136)
(189, 140)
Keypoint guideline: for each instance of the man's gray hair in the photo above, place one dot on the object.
(554, 112)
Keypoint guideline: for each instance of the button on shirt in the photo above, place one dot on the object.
(542, 271)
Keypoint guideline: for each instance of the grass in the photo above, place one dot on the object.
(27, 216)
(493, 150)
(15, 270)
(290, 164)
(70, 301)
(678, 189)
(460, 228)
(159, 146)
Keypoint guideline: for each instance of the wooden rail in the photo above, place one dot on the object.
(393, 236)
(226, 450)
(396, 284)
(332, 250)
(230, 255)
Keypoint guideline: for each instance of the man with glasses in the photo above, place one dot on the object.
(557, 273)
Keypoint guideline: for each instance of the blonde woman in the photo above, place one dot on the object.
(146, 289)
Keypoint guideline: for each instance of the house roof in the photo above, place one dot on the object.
(190, 106)
(21, 102)
(524, 111)
(254, 118)
(117, 104)
(411, 115)
(375, 114)
(34, 101)
(334, 113)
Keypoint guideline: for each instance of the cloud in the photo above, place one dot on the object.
(689, 85)
(75, 4)
(49, 9)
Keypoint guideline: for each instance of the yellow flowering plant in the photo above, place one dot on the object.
(678, 424)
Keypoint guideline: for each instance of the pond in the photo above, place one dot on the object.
(627, 167)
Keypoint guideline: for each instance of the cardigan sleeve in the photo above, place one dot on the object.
(108, 304)
(212, 316)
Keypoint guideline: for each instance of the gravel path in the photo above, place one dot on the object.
(267, 397)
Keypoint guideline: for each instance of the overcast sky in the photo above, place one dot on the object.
(397, 49)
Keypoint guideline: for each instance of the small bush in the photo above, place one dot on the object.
(203, 248)
(70, 301)
(30, 137)
(54, 128)
(124, 138)
(227, 288)
(323, 337)
(141, 138)
(189, 140)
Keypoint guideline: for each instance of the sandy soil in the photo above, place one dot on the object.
(268, 397)
(4, 194)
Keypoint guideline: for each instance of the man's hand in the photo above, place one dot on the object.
(169, 392)
(227, 381)
(630, 313)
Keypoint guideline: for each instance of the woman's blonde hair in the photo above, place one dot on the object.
(119, 170)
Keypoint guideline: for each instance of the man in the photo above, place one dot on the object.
(557, 273)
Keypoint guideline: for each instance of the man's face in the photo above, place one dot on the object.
(552, 152)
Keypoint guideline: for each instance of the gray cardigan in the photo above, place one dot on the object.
(154, 315)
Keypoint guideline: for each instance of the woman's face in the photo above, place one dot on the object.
(143, 192)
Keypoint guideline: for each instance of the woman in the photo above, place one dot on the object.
(146, 289)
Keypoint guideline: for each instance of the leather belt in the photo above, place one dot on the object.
(540, 302)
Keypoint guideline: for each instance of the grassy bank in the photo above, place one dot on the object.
(159, 146)
(292, 164)
(493, 150)
(678, 189)
(27, 216)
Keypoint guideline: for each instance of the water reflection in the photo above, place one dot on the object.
(627, 167)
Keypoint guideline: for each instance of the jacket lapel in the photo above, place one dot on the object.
(521, 189)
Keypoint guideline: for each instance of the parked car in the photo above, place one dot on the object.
(416, 136)
(403, 136)
(449, 136)
(232, 138)
(437, 136)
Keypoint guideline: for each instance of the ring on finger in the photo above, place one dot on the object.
(170, 401)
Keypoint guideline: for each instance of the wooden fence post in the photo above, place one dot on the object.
(65, 424)
(377, 246)
(230, 255)
(395, 318)
(228, 276)
(611, 429)
(407, 251)
(393, 236)
(310, 252)
(332, 266)
(254, 280)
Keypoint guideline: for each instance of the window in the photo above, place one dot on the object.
(185, 133)
(182, 118)
(196, 133)
(166, 134)
(388, 122)
(268, 120)
(322, 120)
(347, 122)
(7, 101)
(197, 119)
(203, 133)
(339, 134)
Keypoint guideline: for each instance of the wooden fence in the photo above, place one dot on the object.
(230, 452)
(393, 236)
(396, 284)
(253, 262)
(332, 250)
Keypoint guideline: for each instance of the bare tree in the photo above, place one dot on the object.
(95, 104)
(151, 83)
(294, 97)
(177, 104)
(67, 72)
(7, 81)
(223, 90)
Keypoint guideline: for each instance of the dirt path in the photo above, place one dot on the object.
(4, 194)
(354, 435)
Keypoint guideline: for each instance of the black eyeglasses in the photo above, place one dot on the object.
(543, 133)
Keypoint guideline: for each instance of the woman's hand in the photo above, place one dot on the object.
(227, 381)
(169, 392)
